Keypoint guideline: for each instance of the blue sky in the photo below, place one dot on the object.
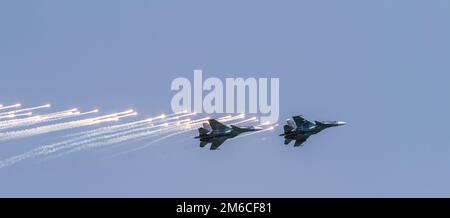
(381, 66)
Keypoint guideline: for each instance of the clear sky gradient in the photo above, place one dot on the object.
(382, 66)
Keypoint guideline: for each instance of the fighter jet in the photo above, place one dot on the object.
(216, 133)
(301, 129)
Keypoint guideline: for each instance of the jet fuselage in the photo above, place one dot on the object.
(300, 129)
(217, 133)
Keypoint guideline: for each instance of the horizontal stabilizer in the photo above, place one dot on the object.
(291, 123)
(298, 143)
(202, 131)
(287, 128)
(287, 141)
(207, 126)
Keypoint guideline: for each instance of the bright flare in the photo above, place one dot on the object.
(25, 109)
(10, 106)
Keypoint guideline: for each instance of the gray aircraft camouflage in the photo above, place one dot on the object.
(300, 129)
(217, 133)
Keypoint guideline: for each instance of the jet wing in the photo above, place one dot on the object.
(287, 141)
(300, 140)
(217, 125)
(216, 143)
(300, 121)
(203, 144)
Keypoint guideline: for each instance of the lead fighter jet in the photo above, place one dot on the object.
(301, 129)
(216, 133)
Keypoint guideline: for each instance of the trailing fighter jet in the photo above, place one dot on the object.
(216, 133)
(301, 129)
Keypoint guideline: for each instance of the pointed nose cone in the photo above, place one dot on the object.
(341, 123)
(252, 128)
(257, 128)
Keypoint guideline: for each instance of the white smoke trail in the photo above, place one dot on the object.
(43, 150)
(77, 144)
(11, 116)
(179, 116)
(180, 126)
(115, 118)
(124, 133)
(122, 137)
(96, 142)
(112, 128)
(115, 140)
(60, 116)
(15, 159)
(253, 119)
(25, 109)
(111, 116)
(53, 127)
(68, 144)
(109, 132)
(72, 147)
(136, 131)
(10, 106)
(19, 122)
(42, 118)
(174, 114)
(125, 126)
